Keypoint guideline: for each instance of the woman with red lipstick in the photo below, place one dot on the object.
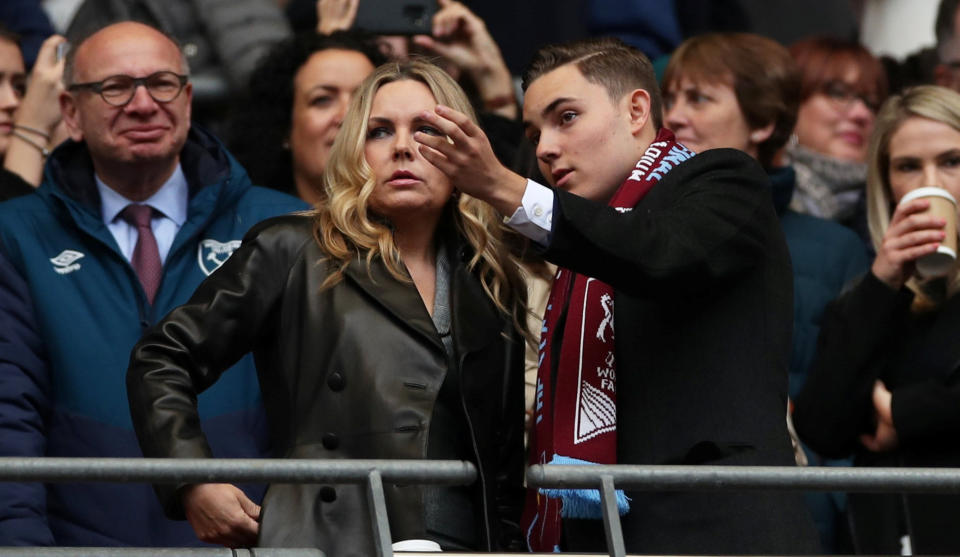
(386, 324)
(841, 88)
(884, 385)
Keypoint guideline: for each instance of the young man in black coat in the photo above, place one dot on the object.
(691, 251)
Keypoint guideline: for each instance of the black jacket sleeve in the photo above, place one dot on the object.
(185, 353)
(709, 221)
(835, 405)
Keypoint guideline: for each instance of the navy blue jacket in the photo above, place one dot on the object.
(90, 311)
(825, 257)
(24, 384)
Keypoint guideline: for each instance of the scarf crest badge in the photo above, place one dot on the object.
(575, 415)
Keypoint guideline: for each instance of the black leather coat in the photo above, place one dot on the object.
(352, 371)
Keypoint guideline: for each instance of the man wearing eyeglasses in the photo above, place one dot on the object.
(133, 213)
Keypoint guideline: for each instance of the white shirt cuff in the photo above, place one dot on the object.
(534, 217)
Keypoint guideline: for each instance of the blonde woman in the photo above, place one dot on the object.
(384, 325)
(885, 383)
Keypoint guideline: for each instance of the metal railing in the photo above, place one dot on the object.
(609, 478)
(370, 473)
(373, 473)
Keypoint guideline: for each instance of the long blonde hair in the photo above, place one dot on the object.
(345, 227)
(926, 101)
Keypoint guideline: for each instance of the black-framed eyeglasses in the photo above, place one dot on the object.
(118, 90)
(843, 95)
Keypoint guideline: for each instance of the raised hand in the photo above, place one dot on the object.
(465, 156)
(38, 117)
(462, 38)
(911, 235)
(335, 15)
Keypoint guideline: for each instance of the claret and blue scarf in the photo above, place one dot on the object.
(575, 417)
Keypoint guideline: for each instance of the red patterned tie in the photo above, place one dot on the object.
(146, 255)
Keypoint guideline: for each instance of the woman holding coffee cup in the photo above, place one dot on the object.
(886, 381)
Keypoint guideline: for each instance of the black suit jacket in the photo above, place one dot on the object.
(703, 309)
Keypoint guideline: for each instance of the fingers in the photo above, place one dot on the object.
(252, 509)
(434, 46)
(870, 442)
(456, 125)
(47, 54)
(221, 514)
(449, 18)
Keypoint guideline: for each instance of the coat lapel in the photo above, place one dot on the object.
(400, 299)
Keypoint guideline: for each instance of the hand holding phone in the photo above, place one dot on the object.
(396, 17)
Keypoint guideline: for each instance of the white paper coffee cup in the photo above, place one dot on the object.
(942, 205)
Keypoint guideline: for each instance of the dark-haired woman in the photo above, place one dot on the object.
(298, 95)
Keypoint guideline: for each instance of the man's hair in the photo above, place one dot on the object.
(611, 63)
(944, 28)
(761, 72)
(69, 62)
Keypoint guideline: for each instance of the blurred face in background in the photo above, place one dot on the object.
(13, 83)
(322, 90)
(707, 116)
(836, 120)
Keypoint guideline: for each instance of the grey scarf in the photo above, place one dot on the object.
(827, 187)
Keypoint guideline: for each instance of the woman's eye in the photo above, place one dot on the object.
(533, 138)
(430, 130)
(322, 100)
(905, 167)
(377, 133)
(568, 116)
(952, 162)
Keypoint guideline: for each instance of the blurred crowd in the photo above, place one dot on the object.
(841, 303)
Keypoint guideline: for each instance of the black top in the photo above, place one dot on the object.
(871, 333)
(12, 185)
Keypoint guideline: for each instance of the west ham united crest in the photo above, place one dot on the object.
(211, 254)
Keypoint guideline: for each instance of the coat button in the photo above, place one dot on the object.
(330, 441)
(328, 494)
(336, 381)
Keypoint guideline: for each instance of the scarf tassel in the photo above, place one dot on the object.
(583, 503)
